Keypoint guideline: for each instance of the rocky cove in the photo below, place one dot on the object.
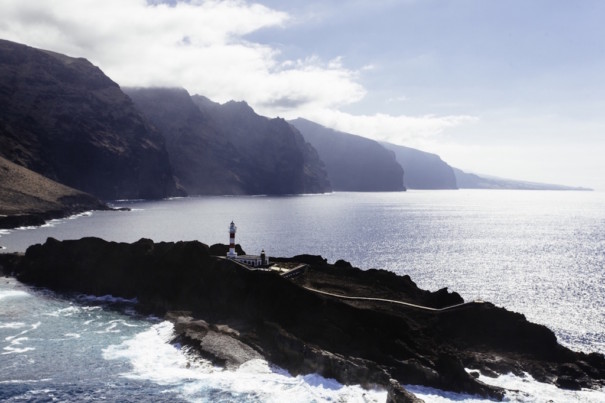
(229, 315)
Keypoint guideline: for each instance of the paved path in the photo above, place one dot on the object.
(392, 301)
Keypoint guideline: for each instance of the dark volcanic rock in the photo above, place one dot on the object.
(423, 170)
(354, 341)
(353, 163)
(63, 118)
(219, 249)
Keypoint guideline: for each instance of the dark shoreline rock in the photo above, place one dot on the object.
(39, 219)
(259, 313)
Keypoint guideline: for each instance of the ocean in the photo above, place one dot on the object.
(541, 253)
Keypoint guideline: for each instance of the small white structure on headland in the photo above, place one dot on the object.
(250, 260)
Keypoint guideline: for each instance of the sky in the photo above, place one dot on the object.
(513, 88)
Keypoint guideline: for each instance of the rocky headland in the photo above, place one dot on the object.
(230, 314)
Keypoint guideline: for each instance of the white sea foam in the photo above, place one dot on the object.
(16, 344)
(72, 335)
(12, 325)
(26, 227)
(69, 311)
(527, 389)
(20, 381)
(113, 326)
(16, 350)
(5, 294)
(519, 389)
(154, 359)
(84, 214)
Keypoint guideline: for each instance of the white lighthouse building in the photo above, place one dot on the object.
(232, 253)
(249, 260)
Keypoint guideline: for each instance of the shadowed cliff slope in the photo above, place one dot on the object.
(28, 198)
(63, 118)
(229, 149)
(423, 170)
(279, 156)
(353, 163)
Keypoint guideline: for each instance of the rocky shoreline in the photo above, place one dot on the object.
(229, 314)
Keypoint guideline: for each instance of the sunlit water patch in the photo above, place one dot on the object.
(538, 253)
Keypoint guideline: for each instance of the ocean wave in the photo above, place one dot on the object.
(16, 350)
(106, 298)
(12, 325)
(69, 311)
(518, 389)
(21, 381)
(84, 214)
(13, 294)
(154, 359)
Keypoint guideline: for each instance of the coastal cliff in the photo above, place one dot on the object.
(353, 163)
(303, 326)
(228, 148)
(63, 118)
(423, 170)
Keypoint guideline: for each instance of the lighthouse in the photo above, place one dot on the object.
(232, 253)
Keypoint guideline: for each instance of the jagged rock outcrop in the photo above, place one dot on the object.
(215, 302)
(28, 198)
(65, 119)
(353, 163)
(229, 149)
(423, 170)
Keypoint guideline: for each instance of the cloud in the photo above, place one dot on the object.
(202, 46)
(415, 131)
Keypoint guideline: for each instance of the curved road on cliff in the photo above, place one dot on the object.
(392, 301)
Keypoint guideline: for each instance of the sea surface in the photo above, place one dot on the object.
(541, 253)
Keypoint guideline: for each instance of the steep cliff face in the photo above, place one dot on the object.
(63, 118)
(353, 163)
(423, 170)
(284, 161)
(204, 162)
(229, 149)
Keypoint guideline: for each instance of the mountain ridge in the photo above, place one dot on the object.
(65, 119)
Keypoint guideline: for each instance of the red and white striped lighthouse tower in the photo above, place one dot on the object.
(232, 253)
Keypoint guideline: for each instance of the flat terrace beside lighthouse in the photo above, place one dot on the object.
(287, 269)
